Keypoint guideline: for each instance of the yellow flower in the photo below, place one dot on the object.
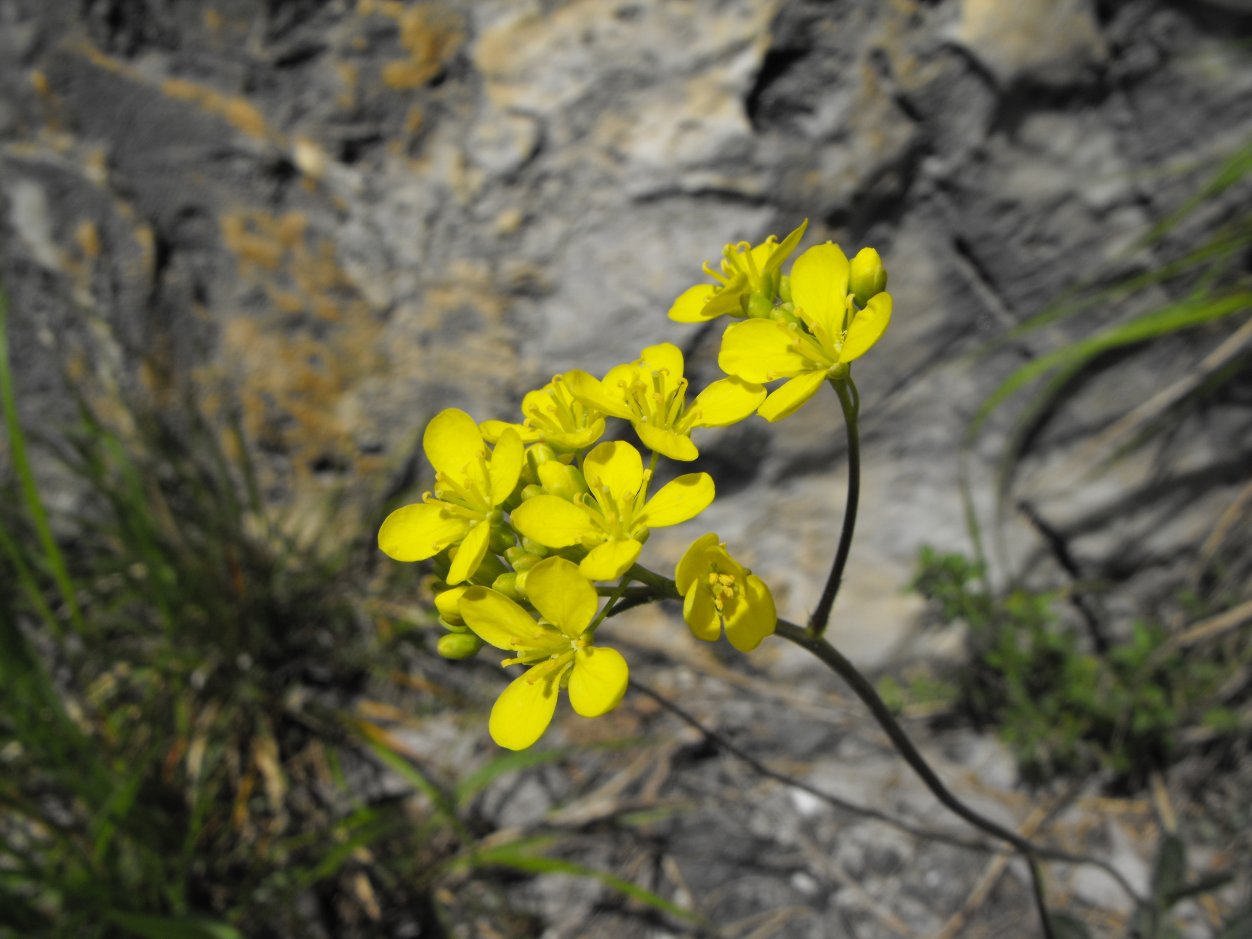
(612, 518)
(720, 592)
(651, 393)
(553, 415)
(747, 272)
(470, 482)
(557, 649)
(829, 332)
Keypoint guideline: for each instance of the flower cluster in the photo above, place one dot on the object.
(536, 527)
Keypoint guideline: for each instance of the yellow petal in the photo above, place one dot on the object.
(691, 303)
(728, 300)
(553, 522)
(577, 439)
(615, 466)
(819, 287)
(867, 327)
(754, 617)
(610, 560)
(664, 357)
(784, 249)
(491, 431)
(694, 562)
(470, 553)
(668, 443)
(420, 531)
(497, 620)
(598, 681)
(523, 712)
(448, 603)
(596, 394)
(727, 401)
(678, 500)
(562, 595)
(506, 465)
(760, 350)
(453, 443)
(701, 615)
(789, 398)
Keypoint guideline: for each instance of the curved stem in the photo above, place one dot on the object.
(861, 687)
(761, 769)
(614, 597)
(849, 401)
(661, 588)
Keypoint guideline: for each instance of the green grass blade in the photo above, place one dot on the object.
(1153, 325)
(26, 478)
(512, 857)
(1237, 166)
(403, 767)
(482, 777)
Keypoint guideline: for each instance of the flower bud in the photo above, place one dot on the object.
(458, 645)
(520, 559)
(759, 305)
(535, 548)
(507, 585)
(446, 603)
(868, 276)
(537, 454)
(560, 479)
(502, 539)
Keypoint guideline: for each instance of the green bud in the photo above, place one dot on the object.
(520, 559)
(534, 547)
(507, 585)
(458, 645)
(868, 276)
(784, 288)
(531, 491)
(561, 479)
(502, 539)
(784, 314)
(759, 305)
(489, 569)
(538, 454)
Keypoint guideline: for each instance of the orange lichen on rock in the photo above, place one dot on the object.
(239, 113)
(252, 246)
(87, 237)
(431, 36)
(296, 364)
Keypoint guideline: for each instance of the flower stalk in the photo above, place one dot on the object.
(849, 402)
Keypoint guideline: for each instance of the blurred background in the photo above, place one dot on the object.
(249, 248)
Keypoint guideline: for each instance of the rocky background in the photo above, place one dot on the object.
(341, 217)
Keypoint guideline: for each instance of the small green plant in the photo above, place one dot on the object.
(183, 751)
(1062, 708)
